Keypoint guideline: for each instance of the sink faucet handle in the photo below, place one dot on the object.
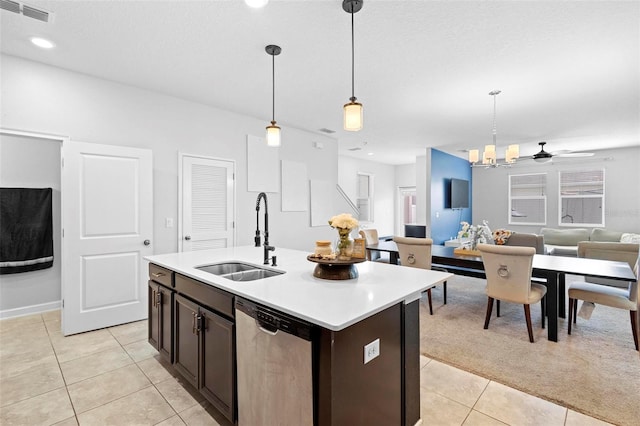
(273, 261)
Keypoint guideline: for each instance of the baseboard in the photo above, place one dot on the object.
(30, 310)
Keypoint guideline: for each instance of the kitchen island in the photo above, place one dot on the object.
(346, 316)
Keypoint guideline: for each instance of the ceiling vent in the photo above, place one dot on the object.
(26, 10)
(357, 148)
(327, 131)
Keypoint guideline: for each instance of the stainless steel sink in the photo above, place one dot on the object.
(239, 271)
(252, 274)
(226, 268)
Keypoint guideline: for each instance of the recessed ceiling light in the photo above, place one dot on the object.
(256, 3)
(42, 42)
(369, 153)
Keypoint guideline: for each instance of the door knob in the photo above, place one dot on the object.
(147, 242)
(187, 237)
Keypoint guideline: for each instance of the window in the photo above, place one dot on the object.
(581, 198)
(528, 199)
(365, 197)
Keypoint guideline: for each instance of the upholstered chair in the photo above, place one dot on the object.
(615, 297)
(508, 271)
(371, 237)
(621, 252)
(416, 253)
(522, 239)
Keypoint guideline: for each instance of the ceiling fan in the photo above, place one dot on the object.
(544, 156)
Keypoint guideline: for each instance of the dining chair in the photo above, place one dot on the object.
(615, 297)
(604, 250)
(371, 237)
(522, 239)
(416, 253)
(508, 270)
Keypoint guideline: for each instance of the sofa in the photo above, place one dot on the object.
(564, 242)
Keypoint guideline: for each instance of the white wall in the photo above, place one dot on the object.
(384, 190)
(32, 163)
(622, 189)
(45, 99)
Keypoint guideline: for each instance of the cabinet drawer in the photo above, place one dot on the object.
(205, 294)
(161, 275)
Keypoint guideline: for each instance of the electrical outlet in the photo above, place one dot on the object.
(168, 222)
(372, 350)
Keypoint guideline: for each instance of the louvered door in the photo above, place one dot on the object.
(207, 214)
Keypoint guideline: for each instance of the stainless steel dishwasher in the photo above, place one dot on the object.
(274, 366)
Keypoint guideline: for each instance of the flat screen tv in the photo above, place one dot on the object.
(416, 231)
(459, 193)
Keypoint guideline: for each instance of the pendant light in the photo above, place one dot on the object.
(489, 153)
(273, 131)
(353, 112)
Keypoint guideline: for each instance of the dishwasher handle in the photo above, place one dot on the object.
(266, 328)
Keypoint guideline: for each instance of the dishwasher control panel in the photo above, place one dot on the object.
(273, 320)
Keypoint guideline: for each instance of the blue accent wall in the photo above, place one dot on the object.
(445, 222)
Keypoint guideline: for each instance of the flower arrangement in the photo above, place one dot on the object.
(476, 233)
(344, 223)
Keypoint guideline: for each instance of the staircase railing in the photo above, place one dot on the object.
(355, 210)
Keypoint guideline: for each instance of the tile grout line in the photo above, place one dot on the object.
(66, 387)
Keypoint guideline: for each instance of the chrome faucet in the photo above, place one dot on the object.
(267, 247)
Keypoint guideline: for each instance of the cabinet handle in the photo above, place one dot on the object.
(199, 320)
(158, 298)
(158, 274)
(193, 322)
(153, 298)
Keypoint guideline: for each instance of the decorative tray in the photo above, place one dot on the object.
(353, 260)
(467, 252)
(334, 269)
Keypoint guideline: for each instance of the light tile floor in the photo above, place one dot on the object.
(114, 377)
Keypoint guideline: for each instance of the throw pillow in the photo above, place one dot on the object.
(630, 238)
(500, 236)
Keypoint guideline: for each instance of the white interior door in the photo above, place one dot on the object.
(207, 207)
(107, 204)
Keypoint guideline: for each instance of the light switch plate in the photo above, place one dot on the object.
(372, 350)
(168, 222)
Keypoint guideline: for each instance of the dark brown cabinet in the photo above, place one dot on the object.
(204, 346)
(161, 311)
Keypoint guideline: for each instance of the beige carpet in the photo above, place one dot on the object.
(595, 371)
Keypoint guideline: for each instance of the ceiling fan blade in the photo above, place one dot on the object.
(575, 154)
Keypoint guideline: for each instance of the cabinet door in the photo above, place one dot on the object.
(165, 315)
(153, 316)
(217, 378)
(186, 339)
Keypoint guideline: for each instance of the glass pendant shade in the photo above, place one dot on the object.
(474, 156)
(353, 116)
(489, 153)
(273, 135)
(513, 153)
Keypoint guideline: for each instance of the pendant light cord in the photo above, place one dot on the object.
(353, 50)
(273, 87)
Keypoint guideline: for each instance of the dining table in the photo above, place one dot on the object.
(552, 270)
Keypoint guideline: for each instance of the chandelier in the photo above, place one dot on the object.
(489, 154)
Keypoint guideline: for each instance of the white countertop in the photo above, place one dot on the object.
(332, 304)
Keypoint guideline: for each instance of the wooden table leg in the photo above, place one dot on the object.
(561, 296)
(552, 304)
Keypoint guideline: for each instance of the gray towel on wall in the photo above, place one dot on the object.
(26, 230)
